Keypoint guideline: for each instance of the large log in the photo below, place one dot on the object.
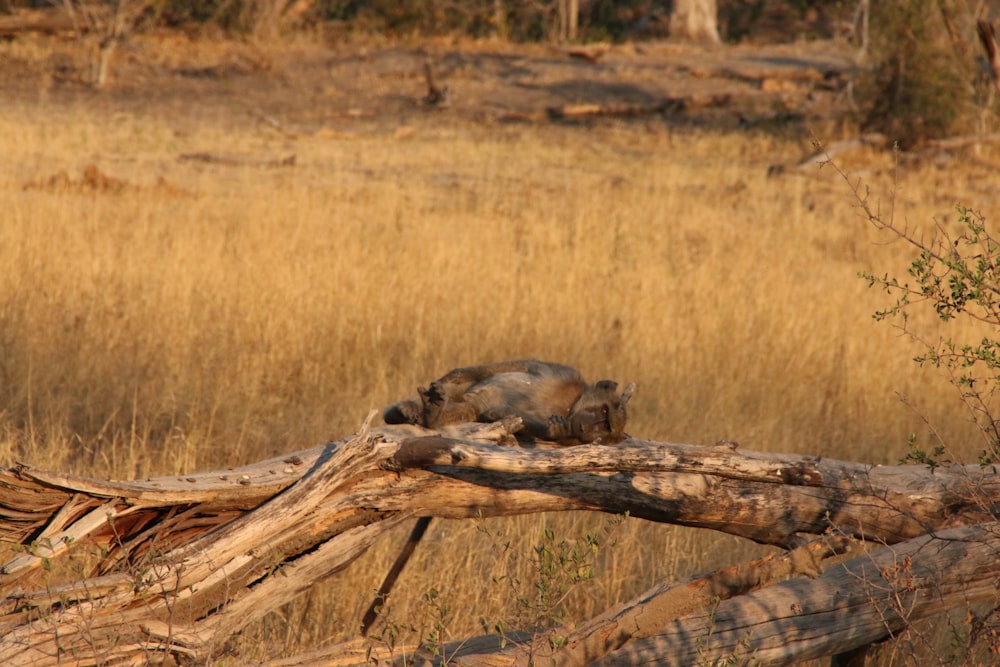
(867, 599)
(187, 561)
(717, 620)
(770, 498)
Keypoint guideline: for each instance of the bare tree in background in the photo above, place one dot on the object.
(695, 21)
(569, 19)
(860, 27)
(109, 23)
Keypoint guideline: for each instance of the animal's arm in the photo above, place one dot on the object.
(559, 429)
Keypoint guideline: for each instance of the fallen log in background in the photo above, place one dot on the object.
(190, 560)
(626, 110)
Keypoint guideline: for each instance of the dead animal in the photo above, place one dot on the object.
(552, 400)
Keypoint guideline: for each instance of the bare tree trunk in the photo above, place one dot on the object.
(500, 20)
(695, 21)
(860, 24)
(107, 23)
(568, 12)
(105, 51)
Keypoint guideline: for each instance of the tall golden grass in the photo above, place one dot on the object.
(211, 315)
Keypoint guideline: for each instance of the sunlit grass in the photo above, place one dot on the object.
(226, 314)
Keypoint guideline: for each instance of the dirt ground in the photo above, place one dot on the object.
(312, 85)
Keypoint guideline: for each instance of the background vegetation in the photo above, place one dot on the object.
(519, 20)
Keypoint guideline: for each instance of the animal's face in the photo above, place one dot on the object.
(600, 413)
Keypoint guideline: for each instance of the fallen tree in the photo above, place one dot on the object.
(184, 563)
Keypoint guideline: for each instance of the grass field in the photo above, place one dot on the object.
(198, 316)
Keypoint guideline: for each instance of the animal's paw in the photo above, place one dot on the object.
(404, 412)
(434, 394)
(559, 427)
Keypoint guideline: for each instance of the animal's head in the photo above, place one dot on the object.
(600, 412)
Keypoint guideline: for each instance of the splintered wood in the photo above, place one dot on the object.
(117, 572)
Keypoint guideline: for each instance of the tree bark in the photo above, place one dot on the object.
(569, 17)
(717, 619)
(867, 599)
(695, 21)
(184, 562)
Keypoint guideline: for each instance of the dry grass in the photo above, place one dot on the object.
(233, 313)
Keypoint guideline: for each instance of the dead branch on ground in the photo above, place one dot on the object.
(238, 160)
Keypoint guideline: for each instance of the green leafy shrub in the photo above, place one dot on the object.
(955, 275)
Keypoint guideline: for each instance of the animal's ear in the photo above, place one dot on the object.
(607, 385)
(627, 394)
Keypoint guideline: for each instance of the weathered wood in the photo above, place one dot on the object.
(620, 110)
(663, 474)
(769, 498)
(695, 20)
(868, 598)
(827, 153)
(815, 161)
(238, 160)
(189, 560)
(646, 615)
(182, 587)
(709, 620)
(591, 54)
